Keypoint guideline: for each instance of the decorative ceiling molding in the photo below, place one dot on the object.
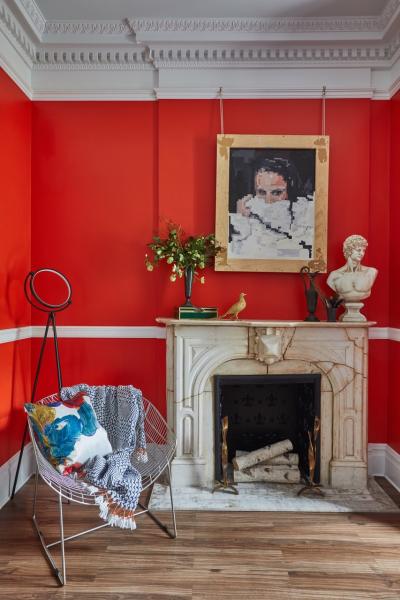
(211, 56)
(247, 49)
(390, 14)
(394, 47)
(178, 56)
(266, 25)
(87, 27)
(32, 15)
(231, 93)
(12, 29)
(86, 58)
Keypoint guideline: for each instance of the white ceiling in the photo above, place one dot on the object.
(148, 49)
(120, 9)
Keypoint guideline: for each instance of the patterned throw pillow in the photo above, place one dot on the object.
(68, 432)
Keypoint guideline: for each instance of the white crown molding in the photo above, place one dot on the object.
(389, 13)
(94, 84)
(249, 55)
(269, 25)
(87, 27)
(11, 27)
(33, 16)
(15, 67)
(193, 58)
(128, 57)
(390, 17)
(100, 94)
(16, 50)
(196, 93)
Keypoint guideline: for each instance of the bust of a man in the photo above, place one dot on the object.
(353, 282)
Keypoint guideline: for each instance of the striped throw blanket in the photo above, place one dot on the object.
(112, 478)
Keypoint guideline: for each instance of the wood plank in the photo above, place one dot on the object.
(217, 556)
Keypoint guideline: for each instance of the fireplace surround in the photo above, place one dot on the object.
(199, 350)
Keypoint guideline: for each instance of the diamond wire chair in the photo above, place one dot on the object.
(161, 444)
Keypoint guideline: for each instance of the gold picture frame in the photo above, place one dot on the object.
(272, 202)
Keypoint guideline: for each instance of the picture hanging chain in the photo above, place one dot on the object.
(323, 108)
(221, 110)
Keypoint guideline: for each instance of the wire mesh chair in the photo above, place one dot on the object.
(161, 444)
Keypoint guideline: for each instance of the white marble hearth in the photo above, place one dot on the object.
(274, 497)
(198, 350)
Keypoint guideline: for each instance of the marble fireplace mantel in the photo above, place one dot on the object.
(199, 349)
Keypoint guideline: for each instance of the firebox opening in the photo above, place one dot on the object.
(265, 409)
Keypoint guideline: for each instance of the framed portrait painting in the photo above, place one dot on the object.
(272, 202)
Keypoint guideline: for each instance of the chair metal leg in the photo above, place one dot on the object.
(35, 492)
(172, 534)
(56, 571)
(172, 500)
(60, 508)
(62, 577)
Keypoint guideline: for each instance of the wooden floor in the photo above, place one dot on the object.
(247, 556)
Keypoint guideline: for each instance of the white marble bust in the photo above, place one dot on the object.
(353, 282)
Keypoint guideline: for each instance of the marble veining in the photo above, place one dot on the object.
(196, 351)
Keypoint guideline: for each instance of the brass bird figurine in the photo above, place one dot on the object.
(236, 308)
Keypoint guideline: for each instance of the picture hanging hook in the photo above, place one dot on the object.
(323, 108)
(221, 110)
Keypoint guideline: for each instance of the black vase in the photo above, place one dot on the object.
(310, 293)
(189, 273)
(312, 299)
(331, 314)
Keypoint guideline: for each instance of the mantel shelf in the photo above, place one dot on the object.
(260, 323)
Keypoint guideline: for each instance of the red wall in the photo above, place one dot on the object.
(105, 175)
(94, 198)
(394, 363)
(378, 256)
(15, 258)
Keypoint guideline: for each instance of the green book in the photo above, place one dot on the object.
(196, 312)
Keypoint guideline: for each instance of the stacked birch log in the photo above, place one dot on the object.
(274, 463)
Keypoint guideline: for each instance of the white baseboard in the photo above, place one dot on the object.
(392, 471)
(376, 459)
(383, 460)
(7, 473)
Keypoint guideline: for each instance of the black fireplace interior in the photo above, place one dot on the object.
(264, 409)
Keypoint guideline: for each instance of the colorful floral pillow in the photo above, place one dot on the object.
(68, 432)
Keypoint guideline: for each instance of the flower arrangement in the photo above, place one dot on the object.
(183, 253)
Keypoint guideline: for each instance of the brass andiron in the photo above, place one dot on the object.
(225, 485)
(311, 486)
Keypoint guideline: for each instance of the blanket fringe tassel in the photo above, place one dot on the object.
(110, 512)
